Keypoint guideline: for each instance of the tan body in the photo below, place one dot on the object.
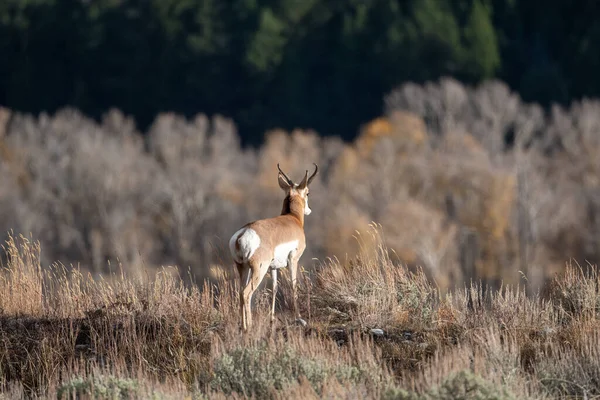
(270, 244)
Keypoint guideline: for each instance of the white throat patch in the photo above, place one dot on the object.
(307, 209)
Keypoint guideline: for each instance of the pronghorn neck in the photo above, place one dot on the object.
(294, 205)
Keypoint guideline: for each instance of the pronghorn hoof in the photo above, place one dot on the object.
(300, 321)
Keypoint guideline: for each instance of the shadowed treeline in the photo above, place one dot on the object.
(318, 64)
(470, 183)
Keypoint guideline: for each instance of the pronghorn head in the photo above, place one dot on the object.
(296, 192)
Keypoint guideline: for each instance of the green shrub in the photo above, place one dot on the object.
(464, 385)
(99, 387)
(257, 371)
(395, 393)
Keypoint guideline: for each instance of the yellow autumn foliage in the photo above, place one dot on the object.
(405, 130)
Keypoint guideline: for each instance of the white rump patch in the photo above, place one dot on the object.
(282, 252)
(248, 241)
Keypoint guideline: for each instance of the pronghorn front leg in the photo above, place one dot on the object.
(293, 266)
(274, 276)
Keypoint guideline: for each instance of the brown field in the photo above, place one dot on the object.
(66, 335)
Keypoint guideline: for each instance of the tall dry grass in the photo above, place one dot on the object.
(375, 330)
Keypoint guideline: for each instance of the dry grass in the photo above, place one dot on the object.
(376, 330)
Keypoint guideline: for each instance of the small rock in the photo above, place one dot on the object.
(377, 332)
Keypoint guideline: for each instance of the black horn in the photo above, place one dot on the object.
(313, 174)
(306, 181)
(289, 181)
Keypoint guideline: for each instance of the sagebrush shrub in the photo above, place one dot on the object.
(99, 387)
(261, 370)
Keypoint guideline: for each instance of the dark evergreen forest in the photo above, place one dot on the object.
(319, 64)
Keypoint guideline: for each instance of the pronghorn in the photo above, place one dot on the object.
(272, 243)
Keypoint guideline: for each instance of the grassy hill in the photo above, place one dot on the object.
(375, 331)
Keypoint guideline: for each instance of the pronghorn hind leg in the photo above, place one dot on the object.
(244, 273)
(257, 273)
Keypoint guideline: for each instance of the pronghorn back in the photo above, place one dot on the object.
(267, 239)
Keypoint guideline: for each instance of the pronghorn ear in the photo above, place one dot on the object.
(283, 183)
(304, 182)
